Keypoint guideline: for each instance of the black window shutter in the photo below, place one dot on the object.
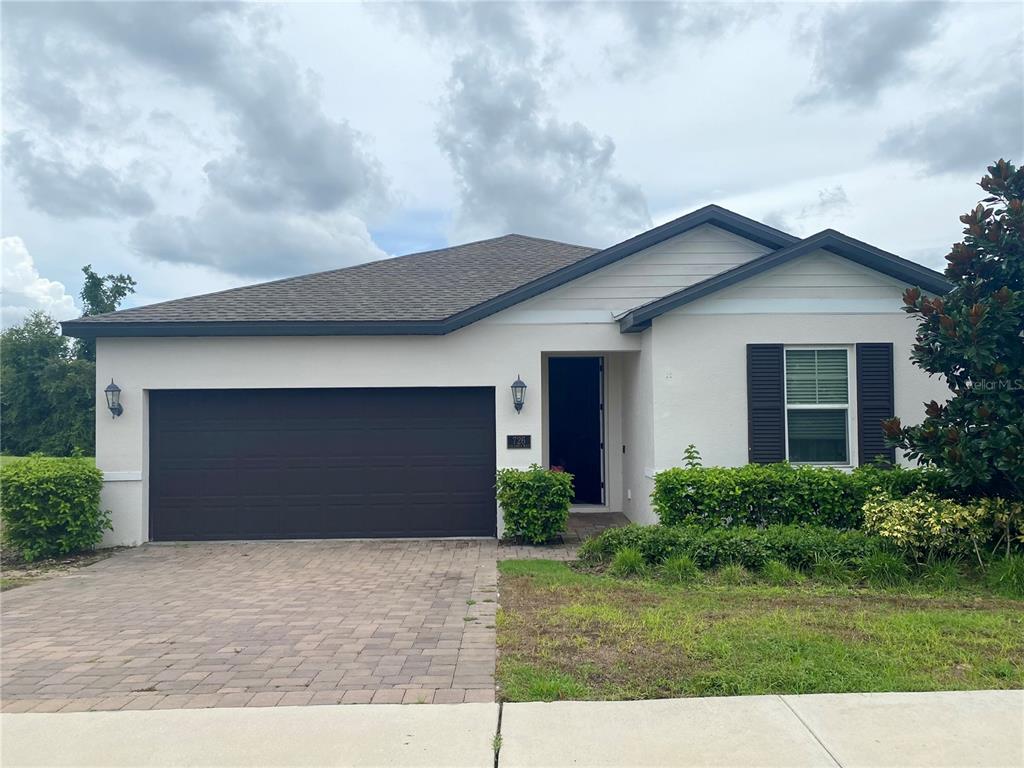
(766, 411)
(875, 401)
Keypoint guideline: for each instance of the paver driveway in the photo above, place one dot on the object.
(256, 624)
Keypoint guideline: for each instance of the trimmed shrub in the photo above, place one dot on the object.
(628, 562)
(898, 482)
(884, 570)
(923, 525)
(766, 494)
(796, 546)
(51, 506)
(679, 569)
(534, 502)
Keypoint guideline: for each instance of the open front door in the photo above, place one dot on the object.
(576, 423)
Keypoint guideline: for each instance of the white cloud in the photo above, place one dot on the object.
(865, 47)
(239, 241)
(832, 204)
(58, 187)
(987, 125)
(279, 155)
(521, 169)
(23, 290)
(292, 117)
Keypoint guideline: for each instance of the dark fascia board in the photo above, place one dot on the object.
(710, 214)
(828, 240)
(86, 329)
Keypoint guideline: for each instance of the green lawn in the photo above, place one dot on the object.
(11, 459)
(566, 634)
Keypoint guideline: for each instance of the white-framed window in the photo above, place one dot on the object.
(818, 405)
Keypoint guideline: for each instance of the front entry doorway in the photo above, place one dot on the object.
(576, 423)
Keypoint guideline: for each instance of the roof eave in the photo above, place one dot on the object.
(90, 330)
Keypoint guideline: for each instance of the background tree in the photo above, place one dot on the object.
(47, 383)
(44, 391)
(974, 337)
(101, 295)
(71, 390)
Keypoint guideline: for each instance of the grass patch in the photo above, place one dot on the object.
(942, 576)
(1005, 576)
(884, 570)
(522, 682)
(568, 634)
(779, 574)
(679, 569)
(542, 572)
(628, 561)
(733, 574)
(829, 569)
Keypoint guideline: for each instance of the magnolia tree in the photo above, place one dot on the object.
(974, 337)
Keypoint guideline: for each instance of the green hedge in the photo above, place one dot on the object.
(763, 494)
(534, 502)
(798, 546)
(51, 506)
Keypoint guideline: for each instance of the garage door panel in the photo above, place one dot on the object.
(238, 464)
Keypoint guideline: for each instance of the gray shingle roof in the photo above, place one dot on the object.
(418, 288)
(434, 292)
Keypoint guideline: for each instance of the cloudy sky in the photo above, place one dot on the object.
(199, 147)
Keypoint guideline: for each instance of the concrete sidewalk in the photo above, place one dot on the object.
(983, 728)
(350, 735)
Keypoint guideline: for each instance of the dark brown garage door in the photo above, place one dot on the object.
(321, 463)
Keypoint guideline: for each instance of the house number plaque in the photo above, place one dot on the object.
(518, 441)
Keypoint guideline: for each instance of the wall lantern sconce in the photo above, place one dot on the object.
(518, 393)
(113, 393)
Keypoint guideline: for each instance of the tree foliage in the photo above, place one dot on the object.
(44, 391)
(974, 337)
(48, 383)
(99, 295)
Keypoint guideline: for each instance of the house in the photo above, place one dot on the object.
(375, 401)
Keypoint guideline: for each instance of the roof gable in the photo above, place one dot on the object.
(827, 240)
(649, 274)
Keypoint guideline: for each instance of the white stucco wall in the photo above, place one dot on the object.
(698, 352)
(682, 381)
(649, 274)
(480, 355)
(638, 433)
(700, 390)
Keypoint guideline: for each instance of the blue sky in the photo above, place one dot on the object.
(202, 146)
